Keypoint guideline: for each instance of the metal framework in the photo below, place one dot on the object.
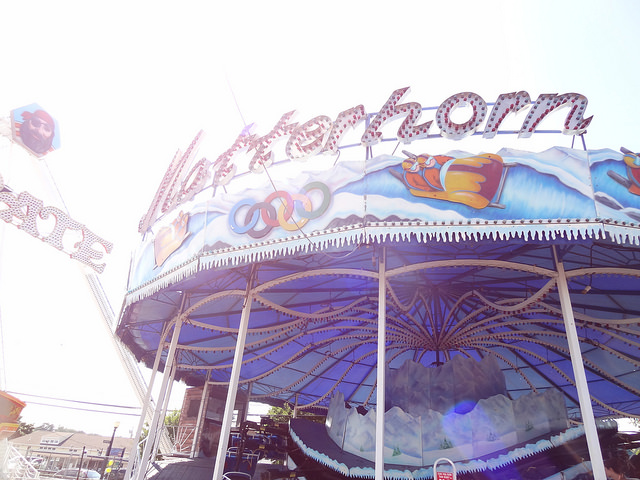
(314, 321)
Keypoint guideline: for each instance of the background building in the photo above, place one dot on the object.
(51, 451)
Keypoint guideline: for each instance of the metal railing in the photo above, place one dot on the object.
(180, 446)
(15, 466)
(182, 437)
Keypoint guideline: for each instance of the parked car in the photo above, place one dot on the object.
(72, 474)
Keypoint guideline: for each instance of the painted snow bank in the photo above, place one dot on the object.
(458, 410)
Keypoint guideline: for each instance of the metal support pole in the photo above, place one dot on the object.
(84, 450)
(164, 398)
(382, 343)
(233, 381)
(133, 454)
(591, 432)
(245, 414)
(106, 457)
(201, 413)
(144, 462)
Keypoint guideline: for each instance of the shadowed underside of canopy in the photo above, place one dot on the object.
(312, 327)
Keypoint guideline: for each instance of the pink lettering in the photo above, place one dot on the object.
(62, 224)
(223, 166)
(505, 104)
(320, 135)
(85, 252)
(390, 110)
(308, 139)
(345, 120)
(198, 176)
(171, 199)
(574, 123)
(456, 131)
(262, 157)
(163, 197)
(25, 208)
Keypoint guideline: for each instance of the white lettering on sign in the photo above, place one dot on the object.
(505, 104)
(408, 131)
(309, 138)
(574, 124)
(320, 135)
(28, 213)
(349, 119)
(456, 131)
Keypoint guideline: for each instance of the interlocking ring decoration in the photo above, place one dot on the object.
(278, 215)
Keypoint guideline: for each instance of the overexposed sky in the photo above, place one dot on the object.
(132, 82)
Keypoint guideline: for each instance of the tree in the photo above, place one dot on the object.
(143, 436)
(62, 428)
(171, 421)
(23, 429)
(281, 414)
(284, 414)
(46, 426)
(27, 428)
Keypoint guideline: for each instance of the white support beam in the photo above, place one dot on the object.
(381, 362)
(233, 382)
(146, 406)
(146, 455)
(204, 400)
(161, 431)
(584, 398)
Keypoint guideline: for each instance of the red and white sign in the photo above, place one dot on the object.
(444, 476)
(186, 177)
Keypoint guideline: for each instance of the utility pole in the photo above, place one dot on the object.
(106, 457)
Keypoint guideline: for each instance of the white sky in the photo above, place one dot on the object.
(131, 82)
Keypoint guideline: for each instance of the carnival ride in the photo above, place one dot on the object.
(286, 297)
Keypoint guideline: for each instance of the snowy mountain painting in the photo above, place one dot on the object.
(423, 421)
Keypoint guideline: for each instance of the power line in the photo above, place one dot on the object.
(71, 401)
(85, 409)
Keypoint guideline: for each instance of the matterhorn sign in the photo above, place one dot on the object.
(320, 135)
